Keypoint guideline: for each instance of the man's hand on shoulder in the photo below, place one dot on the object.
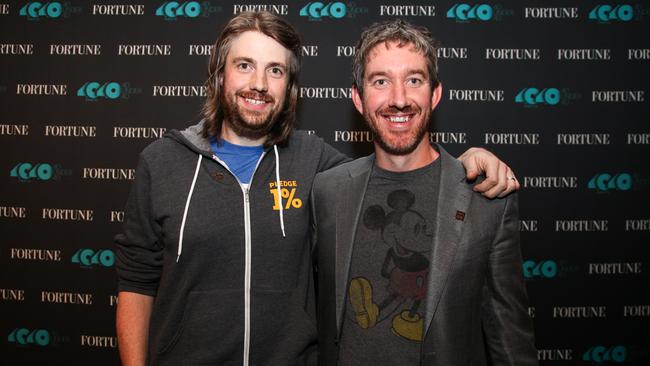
(499, 181)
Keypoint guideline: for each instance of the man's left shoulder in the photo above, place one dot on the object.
(303, 139)
(346, 170)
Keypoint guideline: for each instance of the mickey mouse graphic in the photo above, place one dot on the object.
(405, 266)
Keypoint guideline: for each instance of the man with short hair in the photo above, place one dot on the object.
(414, 267)
(214, 264)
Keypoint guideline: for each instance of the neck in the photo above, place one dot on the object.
(423, 155)
(229, 135)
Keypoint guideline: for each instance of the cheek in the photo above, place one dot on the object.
(232, 85)
(423, 99)
(278, 89)
(375, 101)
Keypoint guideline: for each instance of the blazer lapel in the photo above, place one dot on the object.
(454, 198)
(348, 210)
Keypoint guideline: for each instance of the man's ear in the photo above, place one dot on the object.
(356, 99)
(436, 96)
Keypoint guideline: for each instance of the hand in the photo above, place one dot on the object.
(499, 181)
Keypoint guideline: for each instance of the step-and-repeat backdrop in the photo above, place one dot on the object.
(558, 89)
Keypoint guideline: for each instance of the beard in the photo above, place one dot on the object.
(401, 142)
(252, 125)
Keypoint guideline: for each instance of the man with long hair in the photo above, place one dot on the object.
(214, 264)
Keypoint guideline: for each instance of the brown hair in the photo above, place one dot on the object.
(274, 27)
(401, 32)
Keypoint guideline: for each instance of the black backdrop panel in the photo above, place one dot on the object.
(558, 89)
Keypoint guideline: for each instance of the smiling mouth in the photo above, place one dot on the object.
(398, 119)
(255, 101)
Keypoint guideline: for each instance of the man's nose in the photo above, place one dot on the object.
(398, 96)
(259, 81)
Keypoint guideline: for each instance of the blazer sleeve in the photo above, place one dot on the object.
(139, 255)
(507, 327)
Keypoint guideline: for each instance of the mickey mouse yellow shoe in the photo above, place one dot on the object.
(409, 327)
(365, 310)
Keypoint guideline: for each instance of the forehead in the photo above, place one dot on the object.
(393, 57)
(259, 47)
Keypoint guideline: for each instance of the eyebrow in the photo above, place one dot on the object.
(409, 72)
(250, 60)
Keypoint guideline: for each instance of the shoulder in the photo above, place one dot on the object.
(161, 149)
(301, 143)
(303, 137)
(345, 170)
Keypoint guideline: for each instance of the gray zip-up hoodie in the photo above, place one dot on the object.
(229, 266)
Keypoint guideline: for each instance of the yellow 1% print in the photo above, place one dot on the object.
(288, 198)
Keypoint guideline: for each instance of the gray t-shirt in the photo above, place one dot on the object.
(385, 307)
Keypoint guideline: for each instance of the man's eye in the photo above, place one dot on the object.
(380, 82)
(244, 66)
(414, 82)
(277, 71)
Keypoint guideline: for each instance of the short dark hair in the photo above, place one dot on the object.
(404, 34)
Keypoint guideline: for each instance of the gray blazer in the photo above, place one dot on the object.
(476, 302)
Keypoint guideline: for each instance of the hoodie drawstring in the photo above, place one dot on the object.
(277, 185)
(187, 206)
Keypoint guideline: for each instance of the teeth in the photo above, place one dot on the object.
(399, 119)
(254, 101)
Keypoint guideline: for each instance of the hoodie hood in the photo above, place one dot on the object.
(192, 137)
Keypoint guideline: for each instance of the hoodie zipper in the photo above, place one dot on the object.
(247, 275)
(247, 255)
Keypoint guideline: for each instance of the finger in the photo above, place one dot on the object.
(471, 169)
(513, 183)
(511, 186)
(491, 169)
(469, 163)
(502, 183)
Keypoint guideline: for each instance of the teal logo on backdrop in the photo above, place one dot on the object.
(110, 90)
(25, 337)
(547, 269)
(605, 182)
(26, 172)
(90, 257)
(318, 10)
(543, 269)
(172, 10)
(93, 90)
(607, 13)
(534, 96)
(601, 354)
(34, 10)
(465, 12)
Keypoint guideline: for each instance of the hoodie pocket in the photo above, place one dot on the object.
(211, 330)
(283, 331)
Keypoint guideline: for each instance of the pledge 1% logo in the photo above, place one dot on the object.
(289, 199)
